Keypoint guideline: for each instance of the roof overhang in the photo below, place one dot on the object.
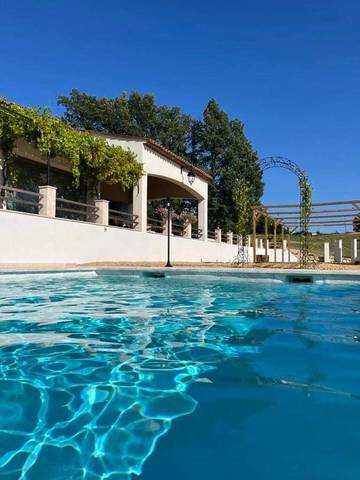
(161, 150)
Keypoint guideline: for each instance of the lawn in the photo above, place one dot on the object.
(317, 242)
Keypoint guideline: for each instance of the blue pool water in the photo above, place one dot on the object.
(191, 376)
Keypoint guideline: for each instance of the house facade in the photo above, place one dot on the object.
(44, 220)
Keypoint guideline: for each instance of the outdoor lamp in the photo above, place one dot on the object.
(191, 177)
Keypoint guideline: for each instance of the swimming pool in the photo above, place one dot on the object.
(115, 374)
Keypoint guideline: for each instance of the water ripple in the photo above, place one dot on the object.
(94, 370)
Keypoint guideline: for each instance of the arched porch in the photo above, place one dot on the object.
(153, 187)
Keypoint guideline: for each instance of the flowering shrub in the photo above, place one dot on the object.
(163, 213)
(188, 215)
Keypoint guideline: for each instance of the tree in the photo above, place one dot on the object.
(242, 202)
(223, 149)
(215, 143)
(211, 144)
(134, 114)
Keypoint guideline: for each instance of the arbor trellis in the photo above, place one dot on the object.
(305, 205)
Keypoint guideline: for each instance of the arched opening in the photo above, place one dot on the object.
(162, 187)
(184, 203)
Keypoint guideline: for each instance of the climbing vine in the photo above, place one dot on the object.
(89, 156)
(305, 216)
(241, 197)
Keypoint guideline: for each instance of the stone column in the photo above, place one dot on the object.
(353, 248)
(283, 250)
(275, 242)
(102, 214)
(254, 235)
(48, 201)
(203, 218)
(266, 238)
(140, 204)
(187, 229)
(288, 248)
(261, 243)
(165, 225)
(326, 252)
(229, 237)
(338, 251)
(218, 235)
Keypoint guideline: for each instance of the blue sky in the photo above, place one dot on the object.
(290, 70)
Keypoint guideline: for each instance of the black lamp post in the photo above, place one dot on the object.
(168, 206)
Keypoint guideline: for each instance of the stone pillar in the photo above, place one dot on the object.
(48, 201)
(266, 238)
(283, 250)
(140, 204)
(261, 243)
(165, 225)
(102, 214)
(338, 254)
(275, 243)
(254, 234)
(353, 248)
(288, 248)
(326, 252)
(229, 237)
(218, 235)
(203, 218)
(187, 229)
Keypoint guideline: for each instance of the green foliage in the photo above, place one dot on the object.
(305, 215)
(215, 143)
(90, 157)
(242, 203)
(223, 149)
(134, 115)
(306, 197)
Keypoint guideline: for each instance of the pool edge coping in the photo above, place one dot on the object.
(354, 275)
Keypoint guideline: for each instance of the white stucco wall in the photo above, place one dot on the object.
(28, 238)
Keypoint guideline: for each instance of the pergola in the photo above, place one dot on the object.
(288, 217)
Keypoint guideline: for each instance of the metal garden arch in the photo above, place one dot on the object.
(305, 199)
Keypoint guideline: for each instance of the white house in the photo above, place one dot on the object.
(42, 224)
(166, 176)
